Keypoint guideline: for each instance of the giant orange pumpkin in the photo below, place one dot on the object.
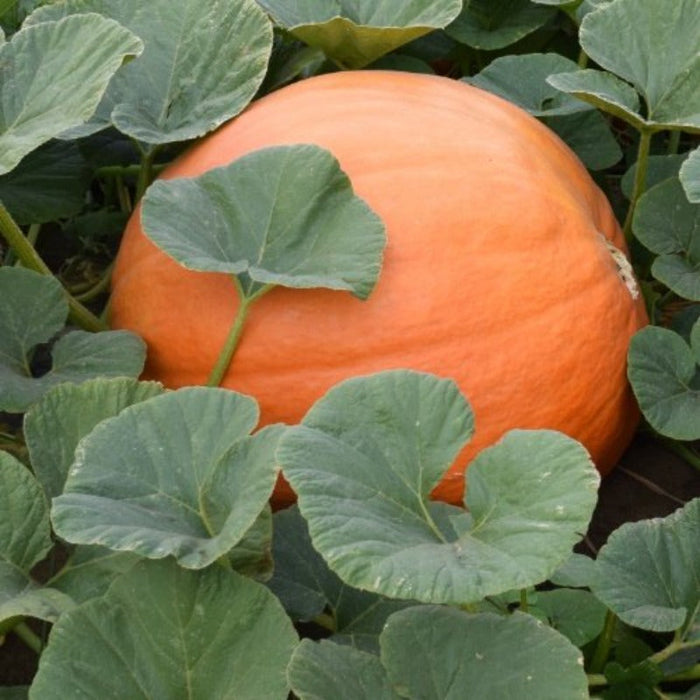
(502, 270)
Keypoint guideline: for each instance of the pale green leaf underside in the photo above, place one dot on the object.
(327, 670)
(52, 77)
(441, 653)
(189, 480)
(602, 90)
(667, 597)
(285, 215)
(54, 426)
(164, 632)
(690, 176)
(669, 225)
(495, 24)
(369, 453)
(652, 45)
(203, 62)
(665, 377)
(356, 34)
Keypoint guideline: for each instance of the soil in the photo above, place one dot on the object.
(649, 482)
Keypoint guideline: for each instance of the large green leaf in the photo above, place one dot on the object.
(667, 596)
(365, 459)
(355, 34)
(307, 587)
(189, 480)
(652, 46)
(49, 184)
(90, 571)
(284, 215)
(576, 614)
(669, 225)
(52, 77)
(164, 632)
(440, 653)
(665, 377)
(202, 63)
(589, 136)
(33, 309)
(25, 539)
(54, 426)
(327, 670)
(690, 176)
(495, 24)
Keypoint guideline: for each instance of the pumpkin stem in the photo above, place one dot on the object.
(234, 336)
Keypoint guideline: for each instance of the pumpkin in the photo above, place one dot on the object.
(505, 268)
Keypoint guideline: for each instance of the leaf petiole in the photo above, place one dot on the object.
(234, 336)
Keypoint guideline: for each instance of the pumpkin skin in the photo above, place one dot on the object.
(496, 274)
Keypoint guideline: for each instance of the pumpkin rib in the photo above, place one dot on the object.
(495, 272)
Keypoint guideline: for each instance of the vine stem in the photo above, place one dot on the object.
(640, 177)
(602, 650)
(234, 336)
(145, 176)
(28, 636)
(30, 259)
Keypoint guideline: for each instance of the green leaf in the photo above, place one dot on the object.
(365, 459)
(90, 571)
(25, 539)
(653, 46)
(49, 184)
(522, 81)
(602, 90)
(576, 614)
(356, 34)
(164, 632)
(52, 77)
(667, 596)
(283, 215)
(578, 571)
(690, 176)
(190, 481)
(202, 63)
(669, 225)
(636, 682)
(439, 653)
(306, 587)
(54, 426)
(589, 136)
(665, 378)
(327, 670)
(495, 24)
(252, 555)
(33, 308)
